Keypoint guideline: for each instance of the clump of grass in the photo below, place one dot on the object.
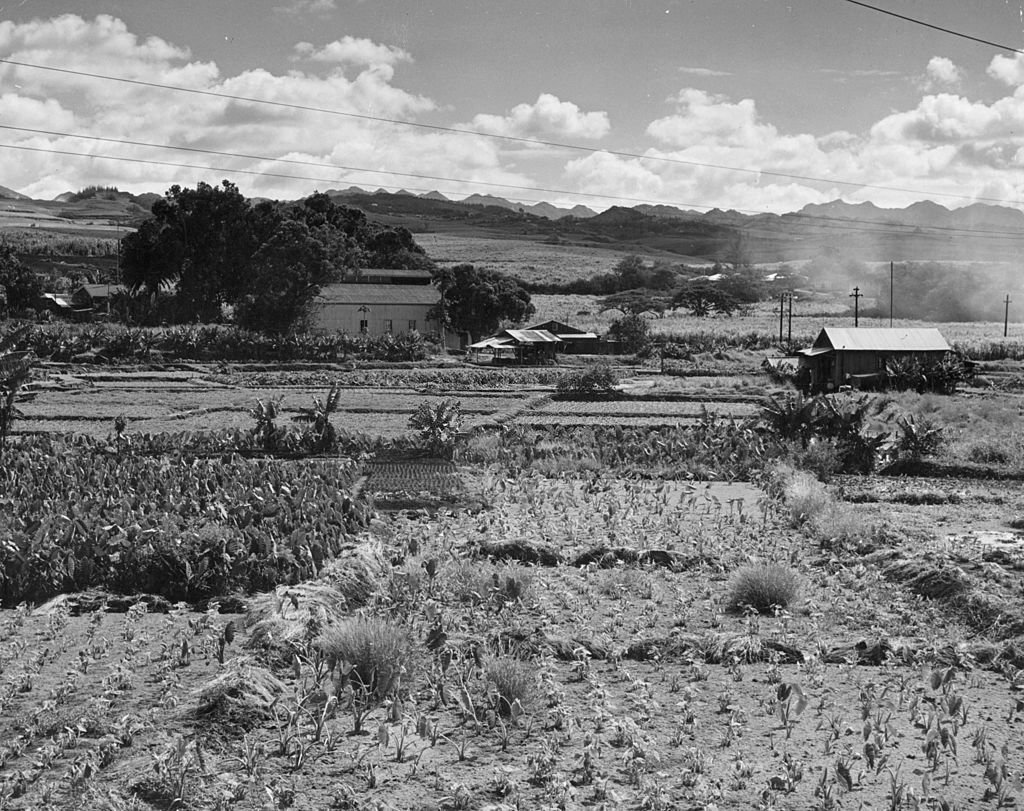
(806, 497)
(472, 581)
(812, 507)
(244, 691)
(379, 653)
(763, 587)
(513, 681)
(988, 452)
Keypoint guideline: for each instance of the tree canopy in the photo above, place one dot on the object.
(19, 286)
(477, 300)
(215, 247)
(634, 302)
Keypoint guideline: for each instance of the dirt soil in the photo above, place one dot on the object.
(641, 689)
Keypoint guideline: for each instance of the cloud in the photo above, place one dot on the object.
(352, 51)
(861, 73)
(302, 7)
(1007, 69)
(548, 117)
(941, 71)
(704, 72)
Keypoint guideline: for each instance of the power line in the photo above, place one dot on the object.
(936, 27)
(869, 227)
(418, 176)
(510, 138)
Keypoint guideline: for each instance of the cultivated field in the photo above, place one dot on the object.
(640, 600)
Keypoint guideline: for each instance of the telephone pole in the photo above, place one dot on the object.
(890, 294)
(855, 295)
(782, 310)
(789, 337)
(1006, 316)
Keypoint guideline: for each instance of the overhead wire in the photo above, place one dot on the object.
(934, 27)
(869, 227)
(419, 176)
(498, 136)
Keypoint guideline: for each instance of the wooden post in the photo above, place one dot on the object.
(1006, 316)
(855, 295)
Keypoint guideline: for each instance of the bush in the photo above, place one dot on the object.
(763, 587)
(380, 654)
(600, 379)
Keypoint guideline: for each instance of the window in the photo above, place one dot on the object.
(364, 326)
(412, 325)
(388, 329)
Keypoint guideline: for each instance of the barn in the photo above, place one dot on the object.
(375, 308)
(574, 340)
(857, 357)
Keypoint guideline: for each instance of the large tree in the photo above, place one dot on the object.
(477, 300)
(214, 247)
(199, 239)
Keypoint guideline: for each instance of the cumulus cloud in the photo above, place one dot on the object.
(941, 72)
(1007, 69)
(548, 117)
(352, 51)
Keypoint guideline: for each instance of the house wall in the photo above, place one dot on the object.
(336, 317)
(865, 363)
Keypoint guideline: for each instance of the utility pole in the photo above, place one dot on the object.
(1006, 316)
(782, 310)
(789, 337)
(890, 294)
(855, 295)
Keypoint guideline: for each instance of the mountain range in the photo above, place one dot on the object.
(922, 231)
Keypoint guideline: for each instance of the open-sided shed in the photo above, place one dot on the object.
(858, 356)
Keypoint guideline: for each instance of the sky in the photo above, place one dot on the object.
(754, 105)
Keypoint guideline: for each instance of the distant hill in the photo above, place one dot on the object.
(11, 194)
(924, 231)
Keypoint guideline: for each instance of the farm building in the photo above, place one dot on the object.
(515, 346)
(95, 296)
(857, 357)
(574, 340)
(375, 308)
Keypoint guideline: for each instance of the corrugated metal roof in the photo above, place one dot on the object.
(532, 336)
(884, 339)
(379, 294)
(557, 327)
(101, 290)
(489, 343)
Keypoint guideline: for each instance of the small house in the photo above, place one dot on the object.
(574, 340)
(95, 296)
(857, 357)
(375, 309)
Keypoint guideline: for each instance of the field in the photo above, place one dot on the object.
(641, 600)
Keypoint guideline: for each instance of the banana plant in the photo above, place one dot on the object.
(15, 372)
(320, 436)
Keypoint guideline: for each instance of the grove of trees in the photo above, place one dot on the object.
(207, 247)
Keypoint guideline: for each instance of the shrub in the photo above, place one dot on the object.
(380, 654)
(988, 452)
(600, 379)
(806, 498)
(763, 587)
(512, 680)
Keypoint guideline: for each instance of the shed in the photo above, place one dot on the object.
(516, 346)
(375, 309)
(858, 357)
